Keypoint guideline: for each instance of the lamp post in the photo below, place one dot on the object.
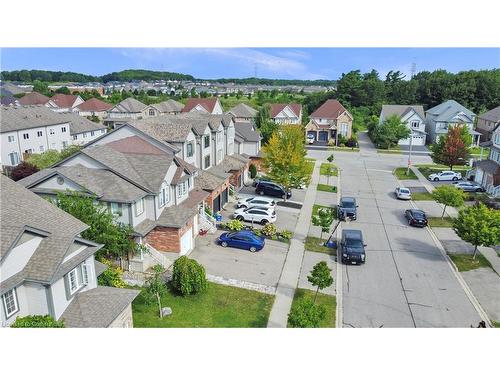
(409, 154)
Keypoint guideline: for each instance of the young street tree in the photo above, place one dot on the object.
(448, 195)
(264, 123)
(479, 226)
(320, 277)
(453, 148)
(305, 314)
(284, 157)
(155, 286)
(388, 134)
(323, 219)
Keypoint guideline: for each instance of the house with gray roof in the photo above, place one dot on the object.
(243, 113)
(247, 140)
(49, 269)
(446, 114)
(487, 123)
(168, 107)
(412, 116)
(487, 172)
(127, 109)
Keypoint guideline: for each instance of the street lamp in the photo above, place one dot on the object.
(409, 154)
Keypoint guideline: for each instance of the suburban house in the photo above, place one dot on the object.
(64, 102)
(247, 140)
(243, 113)
(127, 109)
(203, 105)
(49, 269)
(328, 121)
(286, 113)
(412, 116)
(34, 98)
(487, 123)
(168, 107)
(446, 114)
(93, 107)
(487, 172)
(36, 129)
(8, 100)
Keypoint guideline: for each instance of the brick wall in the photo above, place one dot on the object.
(168, 239)
(210, 199)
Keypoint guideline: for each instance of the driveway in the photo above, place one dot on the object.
(262, 267)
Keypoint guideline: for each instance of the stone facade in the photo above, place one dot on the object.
(168, 239)
(124, 320)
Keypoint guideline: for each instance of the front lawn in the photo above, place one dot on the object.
(220, 306)
(400, 174)
(496, 324)
(316, 244)
(464, 262)
(329, 302)
(327, 188)
(316, 207)
(325, 167)
(422, 196)
(476, 151)
(428, 169)
(446, 222)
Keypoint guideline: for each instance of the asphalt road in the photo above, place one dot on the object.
(406, 281)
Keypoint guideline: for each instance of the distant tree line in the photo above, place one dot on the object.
(275, 82)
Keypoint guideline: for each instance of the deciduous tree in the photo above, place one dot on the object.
(388, 134)
(155, 286)
(22, 170)
(305, 314)
(453, 148)
(448, 195)
(320, 277)
(323, 219)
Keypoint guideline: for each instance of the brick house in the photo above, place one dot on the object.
(328, 121)
(487, 123)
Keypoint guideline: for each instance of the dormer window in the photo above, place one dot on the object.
(206, 141)
(415, 124)
(151, 112)
(182, 189)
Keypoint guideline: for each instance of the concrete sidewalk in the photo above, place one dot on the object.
(291, 269)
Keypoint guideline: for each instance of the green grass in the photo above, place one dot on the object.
(446, 222)
(427, 169)
(464, 262)
(325, 167)
(219, 306)
(327, 188)
(316, 207)
(400, 173)
(310, 159)
(425, 196)
(496, 324)
(476, 151)
(316, 244)
(329, 302)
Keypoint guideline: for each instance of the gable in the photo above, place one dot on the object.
(461, 117)
(84, 160)
(286, 112)
(412, 115)
(18, 257)
(58, 182)
(199, 108)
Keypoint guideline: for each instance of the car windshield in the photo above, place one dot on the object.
(418, 214)
(347, 204)
(354, 243)
(404, 191)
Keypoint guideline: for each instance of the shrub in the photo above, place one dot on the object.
(188, 276)
(351, 142)
(342, 140)
(23, 170)
(331, 142)
(234, 225)
(257, 231)
(269, 230)
(37, 321)
(286, 234)
(112, 276)
(305, 314)
(253, 170)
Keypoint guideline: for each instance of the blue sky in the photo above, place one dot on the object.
(287, 63)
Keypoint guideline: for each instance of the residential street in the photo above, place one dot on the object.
(406, 281)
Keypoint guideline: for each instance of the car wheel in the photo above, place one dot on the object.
(264, 222)
(283, 196)
(455, 178)
(436, 179)
(240, 218)
(223, 244)
(479, 190)
(252, 249)
(261, 192)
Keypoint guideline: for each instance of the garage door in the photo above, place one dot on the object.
(312, 132)
(187, 241)
(418, 140)
(323, 136)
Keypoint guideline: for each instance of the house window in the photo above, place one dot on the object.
(164, 196)
(415, 124)
(11, 138)
(73, 281)
(190, 149)
(75, 137)
(92, 134)
(42, 149)
(139, 207)
(14, 158)
(343, 129)
(181, 189)
(207, 161)
(85, 274)
(116, 209)
(84, 135)
(63, 129)
(10, 303)
(151, 112)
(39, 133)
(206, 141)
(52, 132)
(26, 136)
(64, 144)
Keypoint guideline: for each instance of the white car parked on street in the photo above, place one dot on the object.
(255, 202)
(403, 193)
(256, 215)
(445, 176)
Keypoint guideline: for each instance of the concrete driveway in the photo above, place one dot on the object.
(262, 267)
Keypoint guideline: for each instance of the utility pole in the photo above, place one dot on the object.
(409, 154)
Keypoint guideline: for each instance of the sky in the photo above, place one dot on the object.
(283, 63)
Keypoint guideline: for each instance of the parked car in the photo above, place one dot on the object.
(469, 186)
(259, 179)
(445, 176)
(352, 246)
(256, 215)
(272, 189)
(416, 218)
(310, 139)
(403, 193)
(347, 208)
(243, 239)
(255, 202)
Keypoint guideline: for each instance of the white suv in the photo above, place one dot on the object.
(445, 176)
(256, 202)
(256, 215)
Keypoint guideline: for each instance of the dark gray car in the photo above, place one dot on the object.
(353, 247)
(347, 208)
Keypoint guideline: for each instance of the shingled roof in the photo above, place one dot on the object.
(129, 105)
(246, 132)
(168, 106)
(34, 98)
(243, 110)
(27, 117)
(80, 124)
(276, 108)
(64, 100)
(207, 103)
(94, 105)
(401, 110)
(330, 110)
(492, 115)
(447, 111)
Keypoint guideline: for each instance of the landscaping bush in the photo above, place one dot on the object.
(305, 314)
(112, 276)
(342, 140)
(351, 142)
(286, 234)
(253, 170)
(331, 142)
(234, 225)
(269, 230)
(23, 170)
(37, 321)
(257, 231)
(188, 276)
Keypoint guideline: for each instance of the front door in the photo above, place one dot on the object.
(224, 197)
(323, 136)
(217, 204)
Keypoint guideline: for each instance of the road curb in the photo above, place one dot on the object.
(339, 317)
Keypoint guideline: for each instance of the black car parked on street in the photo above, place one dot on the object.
(353, 247)
(347, 208)
(416, 218)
